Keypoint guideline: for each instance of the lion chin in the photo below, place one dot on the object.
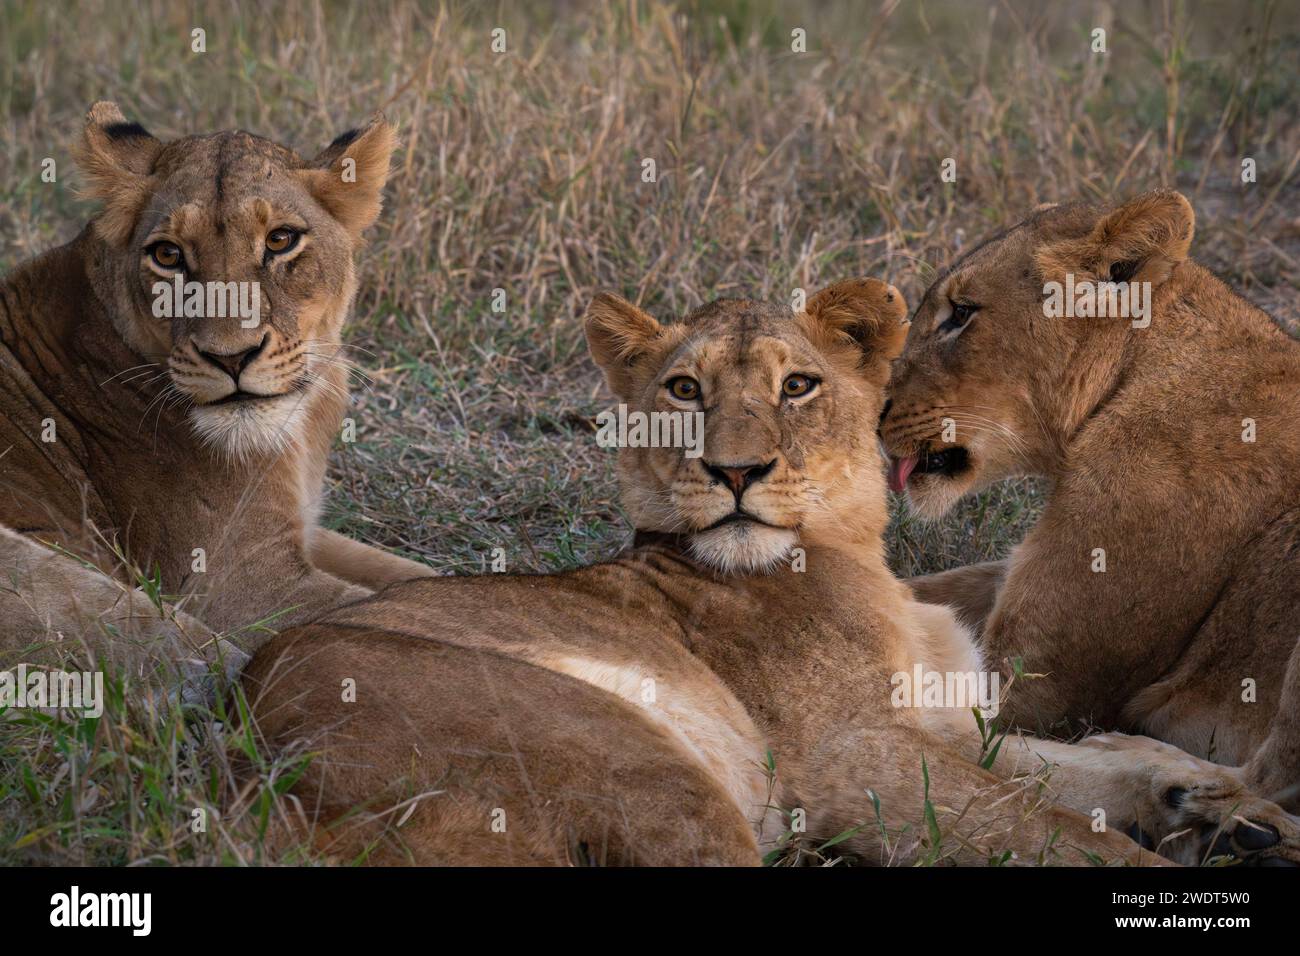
(246, 430)
(743, 546)
(932, 497)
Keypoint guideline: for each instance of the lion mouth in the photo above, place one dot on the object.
(242, 397)
(245, 398)
(744, 516)
(948, 463)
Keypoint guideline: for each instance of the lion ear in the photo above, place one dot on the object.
(619, 335)
(349, 174)
(116, 159)
(868, 313)
(1140, 241)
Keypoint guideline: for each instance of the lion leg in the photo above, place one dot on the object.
(971, 591)
(294, 596)
(1144, 785)
(980, 818)
(359, 563)
(1274, 769)
(57, 610)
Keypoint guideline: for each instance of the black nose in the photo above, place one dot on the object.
(235, 362)
(739, 477)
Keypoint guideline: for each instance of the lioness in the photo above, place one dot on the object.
(658, 708)
(1160, 588)
(193, 443)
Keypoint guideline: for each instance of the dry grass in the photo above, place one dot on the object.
(522, 171)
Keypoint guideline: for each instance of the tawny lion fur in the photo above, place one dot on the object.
(120, 436)
(1173, 454)
(625, 712)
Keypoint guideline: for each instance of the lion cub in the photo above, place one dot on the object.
(730, 671)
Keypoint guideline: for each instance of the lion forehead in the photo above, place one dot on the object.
(232, 155)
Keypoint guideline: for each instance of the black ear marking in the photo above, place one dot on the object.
(1124, 271)
(345, 139)
(125, 131)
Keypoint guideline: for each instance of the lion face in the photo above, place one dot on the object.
(785, 405)
(990, 384)
(232, 260)
(960, 410)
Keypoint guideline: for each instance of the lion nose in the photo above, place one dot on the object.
(739, 477)
(233, 363)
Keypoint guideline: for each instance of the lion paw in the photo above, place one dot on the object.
(1258, 833)
(1197, 812)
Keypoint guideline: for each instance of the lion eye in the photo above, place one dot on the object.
(167, 255)
(684, 388)
(281, 240)
(962, 312)
(796, 385)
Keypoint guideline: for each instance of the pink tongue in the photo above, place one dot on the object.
(899, 471)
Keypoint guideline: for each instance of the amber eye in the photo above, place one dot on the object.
(683, 388)
(168, 255)
(281, 240)
(796, 385)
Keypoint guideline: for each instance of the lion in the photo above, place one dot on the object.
(139, 428)
(727, 679)
(1159, 588)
